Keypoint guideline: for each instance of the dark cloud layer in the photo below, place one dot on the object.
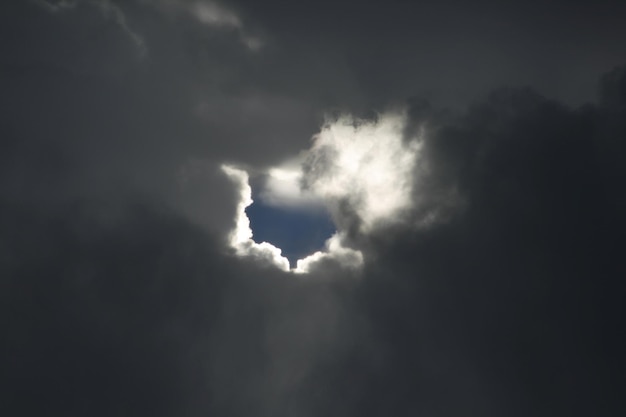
(119, 296)
(451, 51)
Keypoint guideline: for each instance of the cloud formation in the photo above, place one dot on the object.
(241, 237)
(128, 308)
(213, 15)
(362, 171)
(116, 299)
(282, 187)
(107, 8)
(365, 166)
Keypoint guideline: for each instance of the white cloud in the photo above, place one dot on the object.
(241, 236)
(369, 164)
(334, 251)
(283, 188)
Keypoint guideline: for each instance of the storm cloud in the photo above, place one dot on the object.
(472, 163)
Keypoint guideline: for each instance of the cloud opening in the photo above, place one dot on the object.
(366, 164)
(241, 237)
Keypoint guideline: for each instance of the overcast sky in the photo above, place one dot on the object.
(469, 158)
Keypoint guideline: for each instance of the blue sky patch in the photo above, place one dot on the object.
(296, 231)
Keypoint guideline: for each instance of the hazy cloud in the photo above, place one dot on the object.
(130, 283)
(282, 187)
(365, 166)
(212, 14)
(107, 8)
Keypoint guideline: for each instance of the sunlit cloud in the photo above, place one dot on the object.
(334, 251)
(367, 164)
(241, 237)
(283, 188)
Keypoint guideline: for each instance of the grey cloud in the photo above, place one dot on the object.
(451, 53)
(107, 8)
(476, 310)
(212, 14)
(119, 297)
(56, 6)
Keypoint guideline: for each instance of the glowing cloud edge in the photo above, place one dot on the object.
(241, 237)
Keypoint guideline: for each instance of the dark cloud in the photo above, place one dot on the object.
(500, 292)
(449, 51)
(525, 280)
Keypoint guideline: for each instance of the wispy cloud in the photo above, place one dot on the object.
(107, 8)
(211, 14)
(54, 7)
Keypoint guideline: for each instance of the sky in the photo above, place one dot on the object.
(315, 208)
(298, 233)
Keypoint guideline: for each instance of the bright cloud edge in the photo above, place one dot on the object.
(241, 237)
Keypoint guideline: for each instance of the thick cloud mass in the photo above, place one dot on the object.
(477, 268)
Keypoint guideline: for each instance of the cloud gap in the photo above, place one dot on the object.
(361, 171)
(241, 237)
(298, 230)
